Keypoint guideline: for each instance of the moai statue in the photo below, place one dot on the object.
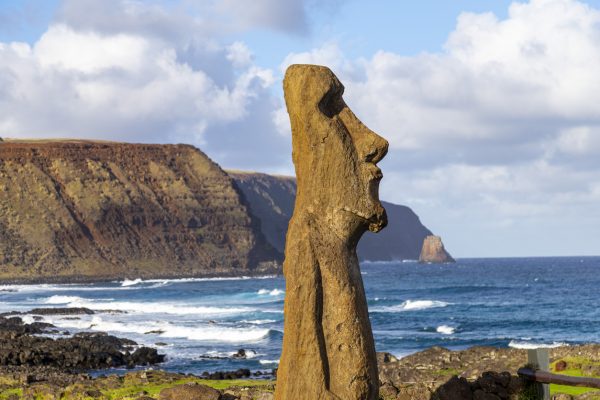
(328, 348)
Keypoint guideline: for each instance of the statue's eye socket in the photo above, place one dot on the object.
(332, 103)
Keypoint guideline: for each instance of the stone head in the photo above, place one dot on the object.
(334, 153)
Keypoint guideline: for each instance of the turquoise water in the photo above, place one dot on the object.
(518, 302)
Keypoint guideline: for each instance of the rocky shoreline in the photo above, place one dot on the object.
(41, 344)
(39, 361)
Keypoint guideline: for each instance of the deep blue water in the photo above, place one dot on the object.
(519, 302)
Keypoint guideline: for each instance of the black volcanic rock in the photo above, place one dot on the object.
(83, 351)
(271, 199)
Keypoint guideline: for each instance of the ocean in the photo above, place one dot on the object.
(200, 323)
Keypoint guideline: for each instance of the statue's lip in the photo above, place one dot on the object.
(376, 174)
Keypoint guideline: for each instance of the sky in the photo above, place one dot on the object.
(491, 108)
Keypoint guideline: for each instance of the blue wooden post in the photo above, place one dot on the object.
(540, 359)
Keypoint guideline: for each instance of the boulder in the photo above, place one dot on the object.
(190, 392)
(560, 366)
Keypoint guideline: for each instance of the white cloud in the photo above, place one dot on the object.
(499, 129)
(88, 52)
(124, 84)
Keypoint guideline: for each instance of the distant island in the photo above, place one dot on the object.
(77, 210)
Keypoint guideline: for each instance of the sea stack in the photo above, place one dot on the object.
(328, 348)
(434, 252)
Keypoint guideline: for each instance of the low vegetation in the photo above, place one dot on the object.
(132, 386)
(576, 366)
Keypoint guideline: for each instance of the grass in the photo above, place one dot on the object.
(6, 393)
(133, 391)
(574, 368)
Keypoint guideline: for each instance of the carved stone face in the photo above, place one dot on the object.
(338, 153)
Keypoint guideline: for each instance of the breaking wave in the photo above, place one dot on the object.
(412, 305)
(148, 307)
(531, 345)
(274, 292)
(445, 329)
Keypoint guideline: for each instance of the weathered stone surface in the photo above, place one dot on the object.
(190, 392)
(114, 210)
(456, 388)
(271, 199)
(434, 252)
(328, 349)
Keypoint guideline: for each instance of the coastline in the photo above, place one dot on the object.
(435, 373)
(82, 279)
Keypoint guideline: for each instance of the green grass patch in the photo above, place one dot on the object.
(8, 392)
(131, 392)
(574, 365)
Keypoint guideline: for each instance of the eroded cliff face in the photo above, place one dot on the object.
(271, 199)
(78, 210)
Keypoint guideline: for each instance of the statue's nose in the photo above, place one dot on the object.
(370, 146)
(377, 149)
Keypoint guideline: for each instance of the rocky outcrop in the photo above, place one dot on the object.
(475, 373)
(80, 210)
(22, 346)
(328, 349)
(271, 199)
(190, 391)
(434, 252)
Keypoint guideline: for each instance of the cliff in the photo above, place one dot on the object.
(433, 251)
(271, 199)
(81, 210)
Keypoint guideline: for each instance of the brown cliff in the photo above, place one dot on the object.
(434, 252)
(271, 199)
(80, 210)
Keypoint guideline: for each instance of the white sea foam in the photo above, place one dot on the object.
(266, 362)
(274, 292)
(147, 307)
(412, 305)
(57, 299)
(128, 282)
(374, 262)
(28, 319)
(212, 333)
(258, 321)
(531, 345)
(445, 329)
(225, 278)
(52, 287)
(216, 334)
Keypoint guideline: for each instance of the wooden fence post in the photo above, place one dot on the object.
(540, 359)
